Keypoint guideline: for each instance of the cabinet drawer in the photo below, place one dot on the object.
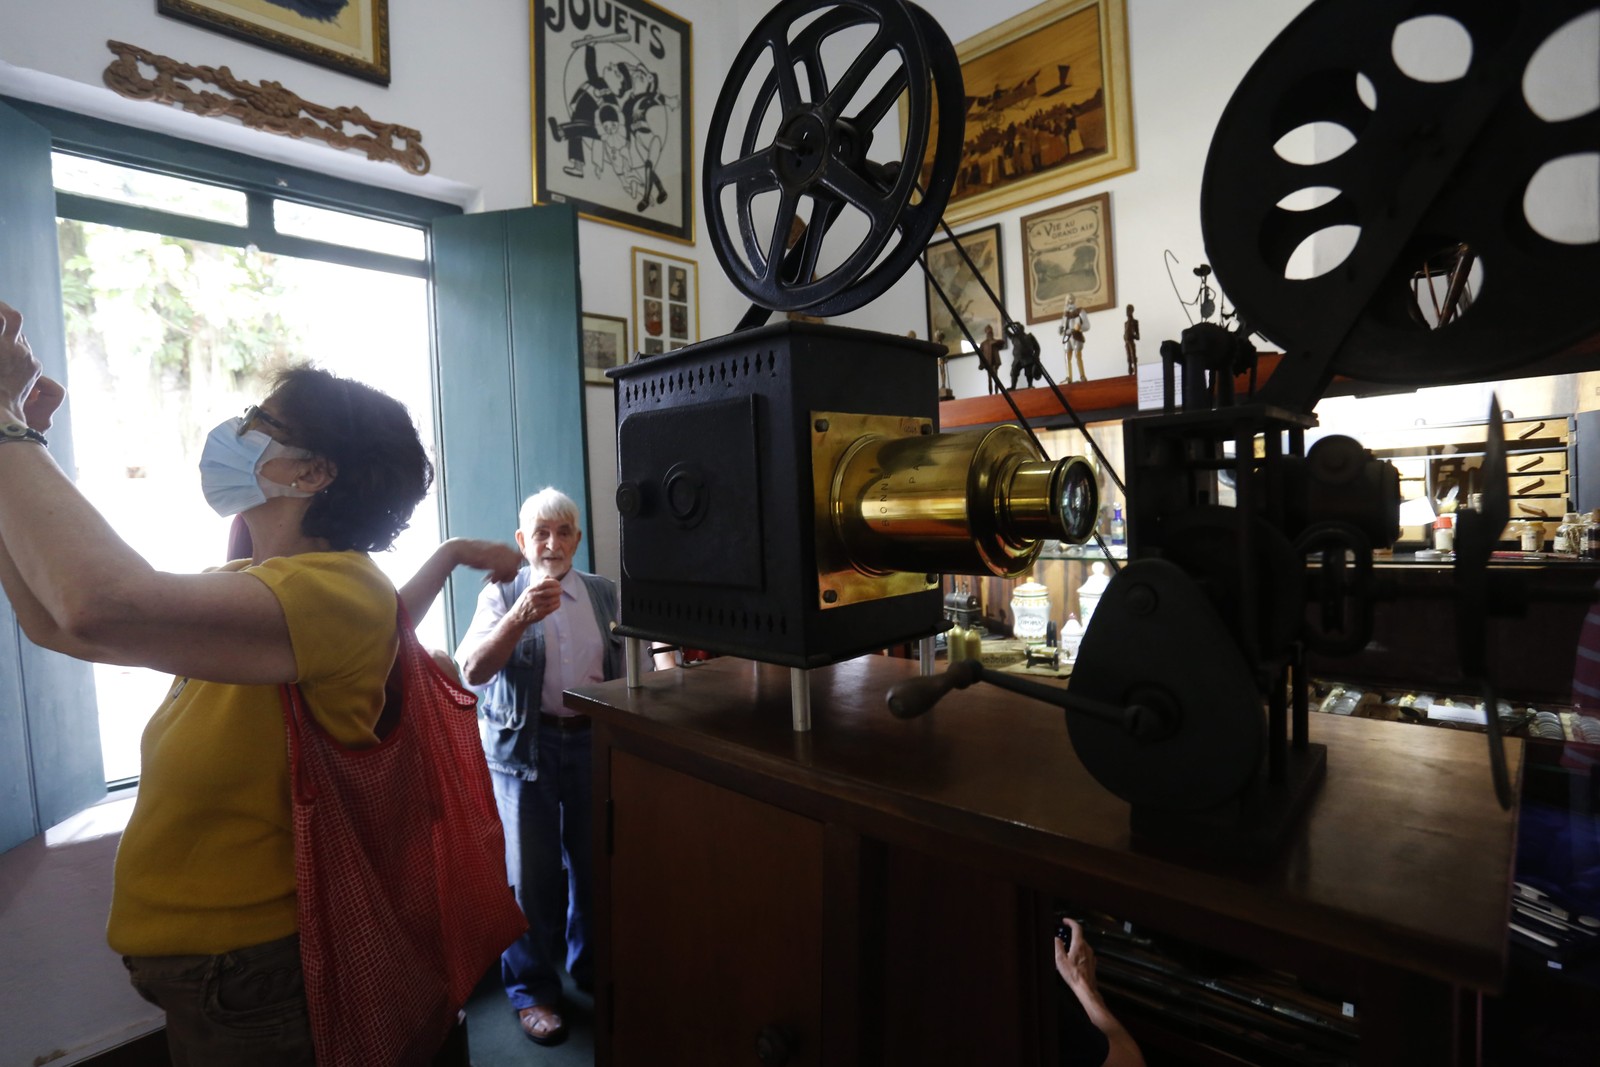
(1536, 462)
(1526, 485)
(1534, 430)
(1538, 507)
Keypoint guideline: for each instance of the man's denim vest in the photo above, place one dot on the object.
(508, 703)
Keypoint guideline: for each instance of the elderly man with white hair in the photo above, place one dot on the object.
(546, 630)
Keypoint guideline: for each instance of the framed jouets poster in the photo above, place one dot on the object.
(611, 113)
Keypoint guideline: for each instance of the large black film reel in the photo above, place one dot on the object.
(1433, 165)
(805, 152)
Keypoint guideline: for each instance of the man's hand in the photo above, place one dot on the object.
(537, 601)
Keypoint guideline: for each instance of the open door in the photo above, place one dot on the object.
(508, 313)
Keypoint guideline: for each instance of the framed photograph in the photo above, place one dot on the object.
(666, 301)
(348, 35)
(611, 115)
(605, 345)
(1049, 108)
(962, 288)
(1066, 251)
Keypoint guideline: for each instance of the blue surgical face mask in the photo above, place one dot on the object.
(230, 466)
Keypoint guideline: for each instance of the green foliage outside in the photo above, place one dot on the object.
(160, 329)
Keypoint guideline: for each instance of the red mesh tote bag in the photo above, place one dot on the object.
(400, 868)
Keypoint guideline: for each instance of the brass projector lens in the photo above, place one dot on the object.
(975, 502)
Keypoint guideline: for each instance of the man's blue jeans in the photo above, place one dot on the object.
(548, 824)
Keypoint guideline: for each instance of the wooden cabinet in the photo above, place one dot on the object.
(739, 932)
(715, 921)
(882, 889)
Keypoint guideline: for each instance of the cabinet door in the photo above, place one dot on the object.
(716, 922)
(964, 951)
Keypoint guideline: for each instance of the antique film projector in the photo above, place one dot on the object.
(785, 495)
(783, 491)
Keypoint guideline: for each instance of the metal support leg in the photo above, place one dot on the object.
(633, 650)
(800, 698)
(925, 654)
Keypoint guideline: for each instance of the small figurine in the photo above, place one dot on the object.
(945, 392)
(989, 359)
(1074, 324)
(1130, 334)
(1025, 360)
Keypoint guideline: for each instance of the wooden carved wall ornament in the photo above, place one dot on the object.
(264, 105)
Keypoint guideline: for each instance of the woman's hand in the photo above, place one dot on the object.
(1075, 962)
(42, 402)
(501, 560)
(19, 370)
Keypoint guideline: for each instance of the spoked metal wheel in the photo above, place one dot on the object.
(1441, 174)
(804, 152)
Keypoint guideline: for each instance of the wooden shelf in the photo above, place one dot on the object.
(1118, 395)
(1085, 397)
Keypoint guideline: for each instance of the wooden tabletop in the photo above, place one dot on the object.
(1403, 860)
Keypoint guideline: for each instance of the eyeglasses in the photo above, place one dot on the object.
(254, 412)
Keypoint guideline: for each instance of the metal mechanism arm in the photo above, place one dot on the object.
(918, 695)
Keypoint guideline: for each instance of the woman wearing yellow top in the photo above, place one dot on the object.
(322, 472)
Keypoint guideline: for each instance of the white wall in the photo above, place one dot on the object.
(460, 77)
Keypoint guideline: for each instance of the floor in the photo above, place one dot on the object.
(496, 1039)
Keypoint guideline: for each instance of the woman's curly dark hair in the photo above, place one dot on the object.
(382, 470)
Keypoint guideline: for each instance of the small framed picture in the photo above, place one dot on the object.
(605, 345)
(1066, 251)
(666, 301)
(961, 287)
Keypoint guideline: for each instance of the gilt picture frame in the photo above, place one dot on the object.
(961, 287)
(666, 302)
(1049, 107)
(350, 36)
(613, 115)
(1066, 250)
